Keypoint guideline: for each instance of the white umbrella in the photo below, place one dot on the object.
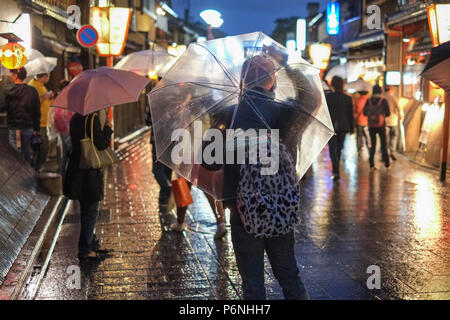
(358, 85)
(37, 63)
(145, 62)
(350, 71)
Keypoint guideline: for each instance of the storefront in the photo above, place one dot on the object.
(407, 51)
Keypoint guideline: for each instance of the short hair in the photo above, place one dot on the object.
(21, 73)
(338, 84)
(40, 75)
(363, 93)
(377, 89)
(387, 88)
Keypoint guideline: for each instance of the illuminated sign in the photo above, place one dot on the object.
(320, 55)
(301, 34)
(333, 18)
(439, 23)
(112, 25)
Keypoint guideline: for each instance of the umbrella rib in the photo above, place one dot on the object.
(228, 73)
(288, 66)
(195, 83)
(297, 109)
(255, 109)
(252, 55)
(209, 109)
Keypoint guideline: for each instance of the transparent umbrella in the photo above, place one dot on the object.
(146, 62)
(349, 71)
(358, 85)
(217, 85)
(37, 63)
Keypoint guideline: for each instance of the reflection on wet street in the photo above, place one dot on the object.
(397, 220)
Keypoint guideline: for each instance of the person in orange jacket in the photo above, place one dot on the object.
(361, 121)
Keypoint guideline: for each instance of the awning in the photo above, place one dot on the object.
(407, 17)
(374, 53)
(50, 40)
(365, 39)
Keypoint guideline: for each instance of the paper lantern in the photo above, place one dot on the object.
(13, 55)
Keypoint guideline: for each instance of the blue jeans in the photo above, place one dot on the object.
(25, 142)
(87, 242)
(249, 252)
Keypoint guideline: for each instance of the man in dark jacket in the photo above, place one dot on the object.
(377, 110)
(341, 112)
(22, 105)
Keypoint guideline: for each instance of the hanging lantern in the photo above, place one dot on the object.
(13, 56)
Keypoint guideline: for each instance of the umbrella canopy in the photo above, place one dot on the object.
(436, 69)
(214, 83)
(96, 89)
(350, 71)
(37, 63)
(146, 62)
(358, 85)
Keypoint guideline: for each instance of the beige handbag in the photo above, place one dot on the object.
(91, 157)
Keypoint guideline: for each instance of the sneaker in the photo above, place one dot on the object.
(221, 231)
(388, 167)
(178, 227)
(373, 168)
(393, 157)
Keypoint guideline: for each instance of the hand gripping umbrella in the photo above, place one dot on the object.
(218, 84)
(96, 89)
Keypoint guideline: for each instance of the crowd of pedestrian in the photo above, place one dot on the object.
(31, 118)
(375, 116)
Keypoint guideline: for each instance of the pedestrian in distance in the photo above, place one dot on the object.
(22, 105)
(362, 137)
(340, 107)
(86, 185)
(61, 119)
(377, 110)
(45, 97)
(393, 121)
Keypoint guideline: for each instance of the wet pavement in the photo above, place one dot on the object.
(397, 220)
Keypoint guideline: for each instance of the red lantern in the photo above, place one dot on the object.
(13, 55)
(74, 68)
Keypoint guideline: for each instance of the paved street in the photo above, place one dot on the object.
(397, 220)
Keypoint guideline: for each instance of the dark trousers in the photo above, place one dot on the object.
(335, 145)
(41, 155)
(392, 134)
(25, 142)
(162, 173)
(381, 132)
(362, 138)
(249, 252)
(87, 242)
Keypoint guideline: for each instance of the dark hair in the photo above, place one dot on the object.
(387, 88)
(21, 73)
(363, 92)
(62, 84)
(376, 89)
(338, 84)
(40, 75)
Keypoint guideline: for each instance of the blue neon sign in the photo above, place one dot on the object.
(333, 18)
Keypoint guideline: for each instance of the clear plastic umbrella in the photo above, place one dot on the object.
(37, 63)
(349, 71)
(146, 62)
(358, 85)
(207, 89)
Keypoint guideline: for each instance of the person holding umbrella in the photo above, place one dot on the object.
(251, 85)
(86, 184)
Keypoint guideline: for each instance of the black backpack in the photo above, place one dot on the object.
(375, 114)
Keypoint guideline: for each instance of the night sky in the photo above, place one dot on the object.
(243, 16)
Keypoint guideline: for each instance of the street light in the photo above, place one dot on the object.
(213, 19)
